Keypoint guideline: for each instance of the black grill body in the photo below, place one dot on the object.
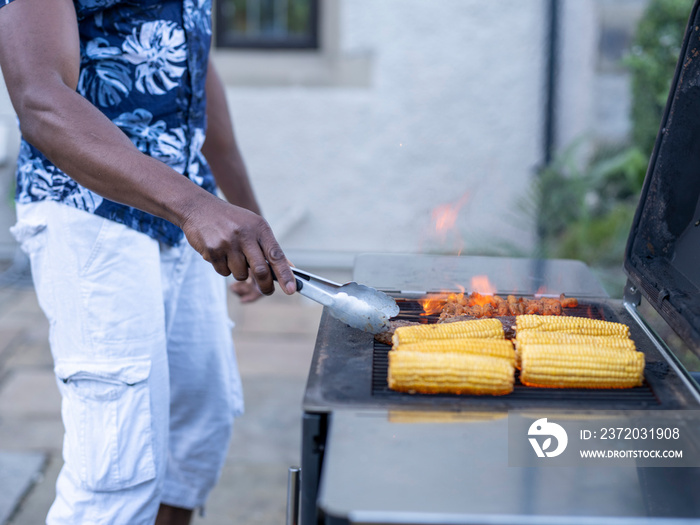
(348, 372)
(348, 369)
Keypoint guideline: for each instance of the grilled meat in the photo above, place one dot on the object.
(477, 305)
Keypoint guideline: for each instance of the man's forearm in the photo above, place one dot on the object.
(81, 141)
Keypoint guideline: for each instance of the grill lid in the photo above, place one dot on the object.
(662, 257)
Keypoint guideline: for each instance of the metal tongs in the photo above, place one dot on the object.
(354, 304)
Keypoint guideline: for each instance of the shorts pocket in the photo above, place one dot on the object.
(30, 236)
(107, 416)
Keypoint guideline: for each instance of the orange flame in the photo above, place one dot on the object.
(445, 216)
(435, 303)
(482, 285)
(481, 300)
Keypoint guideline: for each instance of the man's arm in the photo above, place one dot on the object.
(39, 57)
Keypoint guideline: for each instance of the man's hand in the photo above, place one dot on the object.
(238, 242)
(247, 291)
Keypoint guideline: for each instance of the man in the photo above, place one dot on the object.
(114, 179)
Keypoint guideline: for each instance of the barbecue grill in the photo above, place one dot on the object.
(374, 456)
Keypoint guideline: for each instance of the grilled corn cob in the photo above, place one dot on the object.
(449, 373)
(572, 325)
(480, 328)
(538, 337)
(525, 338)
(581, 366)
(490, 347)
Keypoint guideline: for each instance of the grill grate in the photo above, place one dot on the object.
(639, 397)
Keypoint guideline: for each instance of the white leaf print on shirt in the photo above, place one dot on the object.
(196, 157)
(170, 149)
(154, 139)
(156, 48)
(137, 125)
(198, 15)
(38, 181)
(104, 81)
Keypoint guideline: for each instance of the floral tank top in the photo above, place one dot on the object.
(143, 64)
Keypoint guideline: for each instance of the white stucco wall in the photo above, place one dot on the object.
(453, 113)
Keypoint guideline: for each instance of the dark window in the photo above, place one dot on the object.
(267, 24)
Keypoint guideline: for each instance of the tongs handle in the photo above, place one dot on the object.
(314, 287)
(302, 276)
(309, 277)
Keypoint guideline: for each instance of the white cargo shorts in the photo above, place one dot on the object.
(144, 361)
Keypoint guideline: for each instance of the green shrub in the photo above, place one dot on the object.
(586, 213)
(652, 62)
